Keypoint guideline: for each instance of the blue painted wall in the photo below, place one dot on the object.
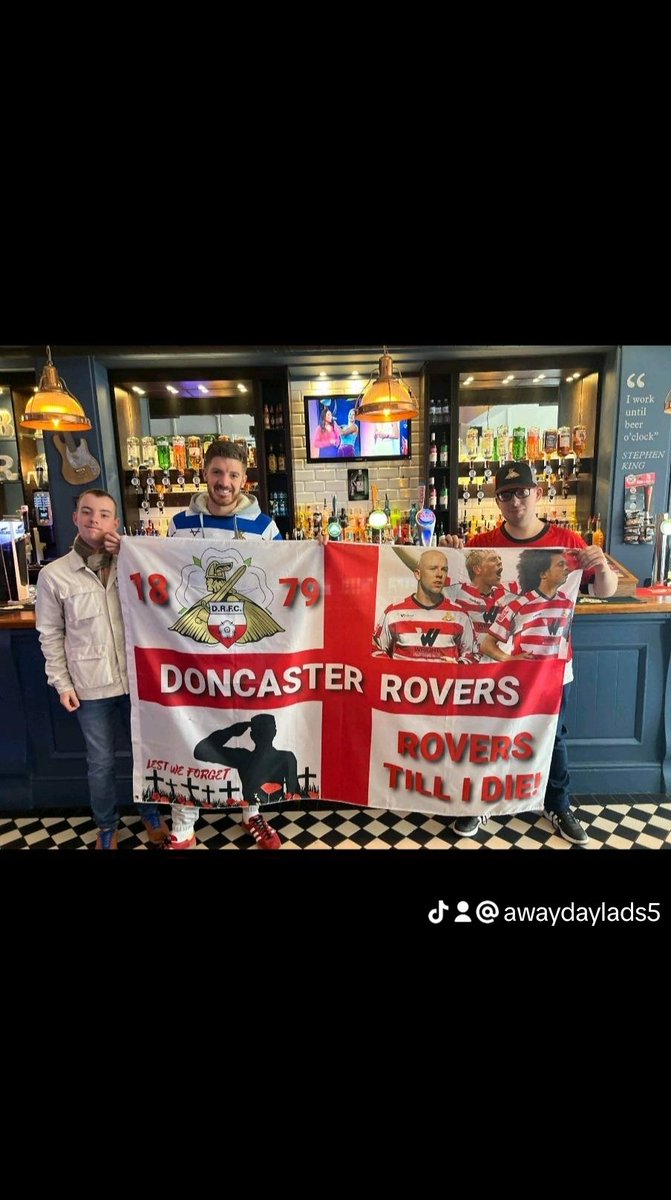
(642, 444)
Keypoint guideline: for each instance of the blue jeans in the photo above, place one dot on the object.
(99, 721)
(557, 790)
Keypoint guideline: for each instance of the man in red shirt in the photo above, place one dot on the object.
(427, 625)
(517, 495)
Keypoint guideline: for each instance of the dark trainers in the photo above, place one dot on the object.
(107, 839)
(264, 836)
(157, 830)
(568, 827)
(466, 826)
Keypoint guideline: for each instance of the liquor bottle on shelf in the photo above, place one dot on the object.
(444, 452)
(443, 498)
(598, 538)
(550, 443)
(163, 452)
(272, 461)
(433, 495)
(433, 451)
(487, 444)
(194, 453)
(179, 453)
(148, 453)
(133, 452)
(502, 447)
(281, 460)
(266, 417)
(579, 439)
(533, 443)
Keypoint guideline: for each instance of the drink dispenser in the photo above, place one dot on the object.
(14, 569)
(661, 562)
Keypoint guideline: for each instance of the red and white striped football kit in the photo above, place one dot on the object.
(441, 633)
(537, 624)
(483, 610)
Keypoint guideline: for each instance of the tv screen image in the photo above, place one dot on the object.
(331, 431)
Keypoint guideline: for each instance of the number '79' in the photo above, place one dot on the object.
(309, 588)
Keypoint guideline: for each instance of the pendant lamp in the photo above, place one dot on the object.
(386, 398)
(53, 407)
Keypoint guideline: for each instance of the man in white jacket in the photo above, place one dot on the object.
(78, 617)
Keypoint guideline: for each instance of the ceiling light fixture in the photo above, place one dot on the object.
(53, 406)
(386, 398)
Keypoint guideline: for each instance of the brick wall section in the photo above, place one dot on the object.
(314, 481)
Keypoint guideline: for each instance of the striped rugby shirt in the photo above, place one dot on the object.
(537, 624)
(440, 633)
(483, 610)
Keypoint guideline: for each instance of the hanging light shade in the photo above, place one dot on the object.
(386, 398)
(53, 406)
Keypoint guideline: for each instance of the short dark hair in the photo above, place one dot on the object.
(225, 449)
(100, 493)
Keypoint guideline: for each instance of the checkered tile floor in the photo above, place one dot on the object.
(623, 822)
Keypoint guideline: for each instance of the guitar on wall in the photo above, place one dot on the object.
(78, 465)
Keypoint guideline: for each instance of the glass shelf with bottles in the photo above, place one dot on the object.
(276, 461)
(437, 494)
(530, 443)
(174, 482)
(439, 412)
(177, 454)
(273, 418)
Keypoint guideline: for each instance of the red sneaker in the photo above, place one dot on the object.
(264, 836)
(172, 843)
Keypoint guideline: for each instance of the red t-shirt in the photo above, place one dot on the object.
(549, 536)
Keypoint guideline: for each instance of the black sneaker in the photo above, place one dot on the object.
(568, 827)
(466, 826)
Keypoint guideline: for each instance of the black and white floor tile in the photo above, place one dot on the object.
(620, 822)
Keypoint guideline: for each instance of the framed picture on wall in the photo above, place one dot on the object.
(357, 484)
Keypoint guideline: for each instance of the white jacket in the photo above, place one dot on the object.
(81, 629)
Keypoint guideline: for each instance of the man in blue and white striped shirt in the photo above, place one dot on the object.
(226, 512)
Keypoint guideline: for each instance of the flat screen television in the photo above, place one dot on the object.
(332, 432)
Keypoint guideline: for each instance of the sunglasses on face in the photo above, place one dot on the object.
(506, 497)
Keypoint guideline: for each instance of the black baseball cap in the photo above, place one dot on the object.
(514, 475)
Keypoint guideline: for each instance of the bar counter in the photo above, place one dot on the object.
(619, 714)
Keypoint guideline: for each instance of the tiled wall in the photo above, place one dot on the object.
(314, 481)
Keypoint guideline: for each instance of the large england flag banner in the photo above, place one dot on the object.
(425, 680)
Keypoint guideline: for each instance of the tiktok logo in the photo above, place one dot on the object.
(436, 914)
